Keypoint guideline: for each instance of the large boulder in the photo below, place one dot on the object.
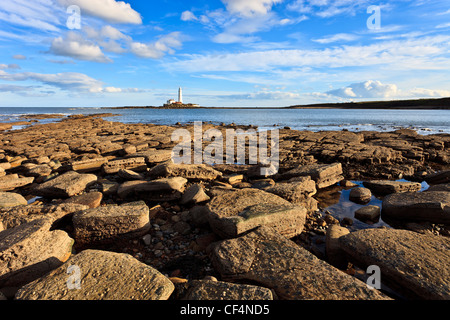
(103, 276)
(431, 206)
(233, 213)
(65, 185)
(30, 250)
(104, 224)
(324, 175)
(383, 187)
(415, 265)
(265, 257)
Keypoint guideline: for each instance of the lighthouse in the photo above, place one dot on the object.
(180, 95)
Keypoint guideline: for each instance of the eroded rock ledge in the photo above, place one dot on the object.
(105, 196)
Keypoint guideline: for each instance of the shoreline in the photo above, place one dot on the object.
(415, 104)
(174, 219)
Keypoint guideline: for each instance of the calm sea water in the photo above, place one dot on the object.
(424, 121)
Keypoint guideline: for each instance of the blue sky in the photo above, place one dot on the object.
(222, 52)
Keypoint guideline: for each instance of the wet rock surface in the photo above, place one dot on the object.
(109, 195)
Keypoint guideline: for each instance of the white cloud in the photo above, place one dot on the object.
(367, 89)
(188, 16)
(376, 90)
(340, 37)
(249, 8)
(328, 8)
(232, 38)
(108, 38)
(443, 25)
(159, 48)
(241, 20)
(38, 14)
(76, 47)
(427, 53)
(9, 66)
(19, 57)
(70, 81)
(112, 90)
(109, 10)
(262, 95)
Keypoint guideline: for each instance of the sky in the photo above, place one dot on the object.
(223, 53)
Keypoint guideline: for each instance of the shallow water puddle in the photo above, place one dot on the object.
(335, 200)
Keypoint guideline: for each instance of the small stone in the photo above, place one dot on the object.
(368, 213)
(360, 195)
(182, 227)
(147, 239)
(129, 175)
(194, 195)
(329, 219)
(346, 221)
(347, 184)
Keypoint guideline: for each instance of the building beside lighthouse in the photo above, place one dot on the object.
(179, 104)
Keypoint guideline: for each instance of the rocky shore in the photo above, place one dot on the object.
(92, 209)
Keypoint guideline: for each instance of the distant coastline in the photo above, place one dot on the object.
(418, 104)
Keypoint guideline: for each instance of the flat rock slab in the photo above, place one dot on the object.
(14, 182)
(90, 199)
(165, 189)
(430, 206)
(294, 191)
(416, 265)
(269, 259)
(14, 217)
(188, 171)
(219, 290)
(103, 276)
(233, 213)
(89, 165)
(10, 199)
(438, 177)
(440, 187)
(155, 155)
(135, 164)
(30, 250)
(384, 187)
(324, 175)
(104, 224)
(65, 185)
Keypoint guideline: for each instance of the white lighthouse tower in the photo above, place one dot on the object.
(180, 95)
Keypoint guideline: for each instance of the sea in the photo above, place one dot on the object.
(425, 122)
